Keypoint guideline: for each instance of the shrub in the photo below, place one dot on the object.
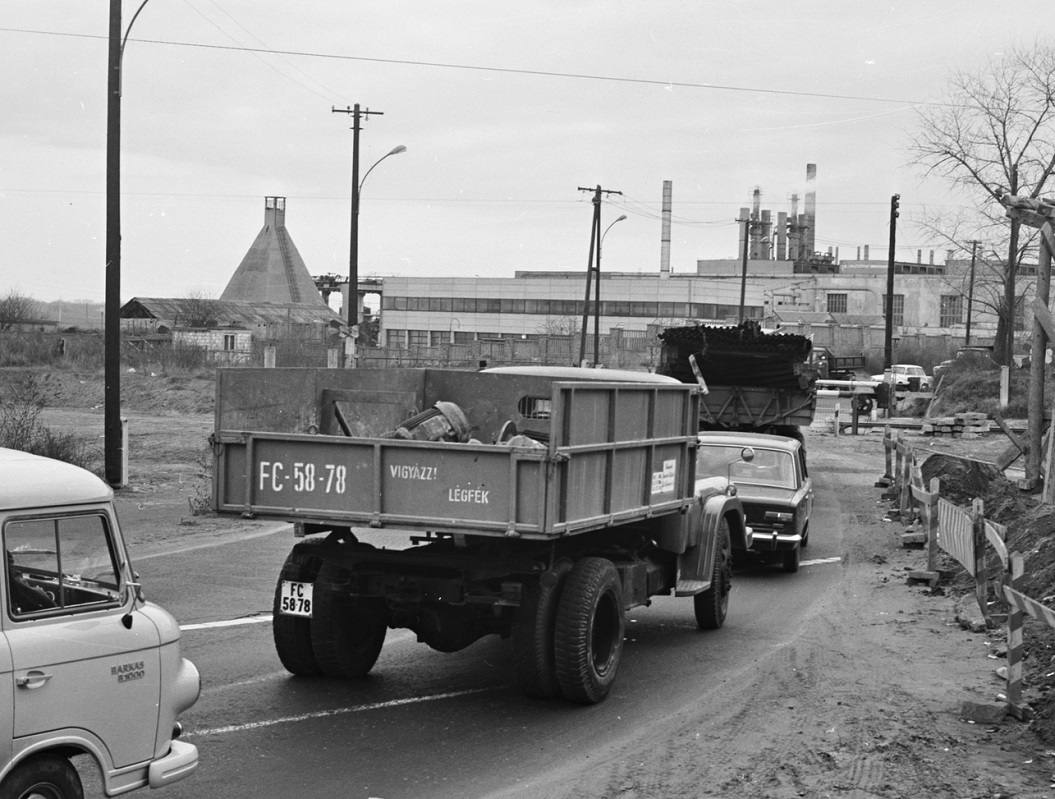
(22, 398)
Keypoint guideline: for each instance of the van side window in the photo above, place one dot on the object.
(64, 563)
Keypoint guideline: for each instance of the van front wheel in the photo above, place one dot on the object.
(43, 777)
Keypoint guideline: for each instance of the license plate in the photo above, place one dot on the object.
(295, 599)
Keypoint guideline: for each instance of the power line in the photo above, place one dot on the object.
(667, 84)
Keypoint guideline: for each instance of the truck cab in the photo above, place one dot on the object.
(87, 666)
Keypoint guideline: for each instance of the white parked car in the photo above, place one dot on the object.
(903, 372)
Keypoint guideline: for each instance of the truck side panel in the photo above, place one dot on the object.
(605, 453)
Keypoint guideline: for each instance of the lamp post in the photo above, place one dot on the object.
(113, 446)
(597, 297)
(353, 257)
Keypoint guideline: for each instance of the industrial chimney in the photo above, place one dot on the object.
(664, 241)
(811, 209)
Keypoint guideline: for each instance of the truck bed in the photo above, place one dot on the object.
(314, 445)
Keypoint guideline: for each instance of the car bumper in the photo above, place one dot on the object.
(770, 541)
(180, 762)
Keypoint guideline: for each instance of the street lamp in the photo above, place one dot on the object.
(597, 297)
(113, 435)
(353, 258)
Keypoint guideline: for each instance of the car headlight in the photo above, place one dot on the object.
(778, 516)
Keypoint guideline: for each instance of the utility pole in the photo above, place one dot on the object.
(113, 454)
(888, 351)
(749, 226)
(1040, 214)
(970, 291)
(353, 252)
(591, 269)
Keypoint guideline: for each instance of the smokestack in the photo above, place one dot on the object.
(919, 256)
(782, 235)
(866, 252)
(858, 253)
(811, 208)
(794, 230)
(932, 257)
(766, 243)
(664, 240)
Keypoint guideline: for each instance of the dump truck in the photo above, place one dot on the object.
(536, 504)
(836, 367)
(752, 380)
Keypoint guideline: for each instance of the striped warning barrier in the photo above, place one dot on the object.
(956, 533)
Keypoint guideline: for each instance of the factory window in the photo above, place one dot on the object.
(488, 305)
(464, 305)
(511, 306)
(898, 315)
(643, 309)
(443, 304)
(673, 309)
(617, 308)
(951, 310)
(389, 303)
(417, 338)
(394, 339)
(836, 303)
(417, 303)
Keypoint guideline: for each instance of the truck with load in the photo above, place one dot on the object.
(90, 667)
(830, 366)
(752, 381)
(537, 504)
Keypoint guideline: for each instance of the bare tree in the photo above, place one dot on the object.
(198, 310)
(559, 326)
(16, 308)
(995, 132)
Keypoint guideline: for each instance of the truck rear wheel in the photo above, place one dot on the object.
(43, 777)
(346, 641)
(534, 629)
(712, 605)
(292, 634)
(589, 631)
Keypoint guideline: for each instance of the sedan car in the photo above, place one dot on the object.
(771, 479)
(905, 376)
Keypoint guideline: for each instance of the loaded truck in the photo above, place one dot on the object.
(836, 367)
(752, 381)
(536, 504)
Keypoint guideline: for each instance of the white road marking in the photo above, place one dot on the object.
(341, 711)
(208, 625)
(819, 561)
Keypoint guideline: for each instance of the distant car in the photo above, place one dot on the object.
(905, 375)
(773, 484)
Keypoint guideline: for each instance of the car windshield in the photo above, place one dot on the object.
(770, 467)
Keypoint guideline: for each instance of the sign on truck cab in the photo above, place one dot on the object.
(87, 666)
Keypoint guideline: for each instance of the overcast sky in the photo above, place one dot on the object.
(505, 109)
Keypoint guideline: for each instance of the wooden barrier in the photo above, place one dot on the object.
(964, 535)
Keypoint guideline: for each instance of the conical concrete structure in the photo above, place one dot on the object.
(272, 270)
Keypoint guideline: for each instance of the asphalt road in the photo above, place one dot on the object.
(427, 724)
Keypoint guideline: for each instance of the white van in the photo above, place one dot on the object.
(87, 666)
